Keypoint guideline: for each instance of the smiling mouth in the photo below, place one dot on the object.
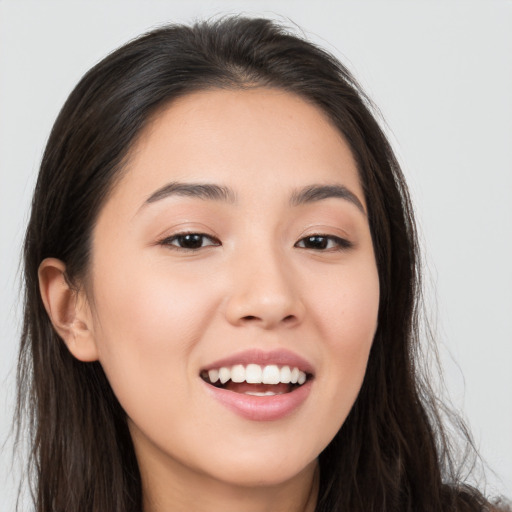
(256, 380)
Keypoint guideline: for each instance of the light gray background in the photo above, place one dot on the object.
(441, 73)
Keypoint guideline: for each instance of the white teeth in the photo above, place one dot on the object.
(213, 375)
(255, 374)
(271, 374)
(285, 375)
(224, 374)
(262, 393)
(238, 373)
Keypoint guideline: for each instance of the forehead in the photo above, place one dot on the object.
(265, 138)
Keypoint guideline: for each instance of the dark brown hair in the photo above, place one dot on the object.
(391, 453)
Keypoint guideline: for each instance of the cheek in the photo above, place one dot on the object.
(347, 307)
(347, 314)
(146, 327)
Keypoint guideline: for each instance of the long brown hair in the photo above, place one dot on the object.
(391, 454)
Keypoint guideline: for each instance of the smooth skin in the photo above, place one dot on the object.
(257, 270)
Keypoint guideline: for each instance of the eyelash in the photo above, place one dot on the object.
(340, 244)
(181, 236)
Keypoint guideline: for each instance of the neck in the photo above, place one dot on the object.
(182, 492)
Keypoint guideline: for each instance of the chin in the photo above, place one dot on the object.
(249, 473)
(258, 465)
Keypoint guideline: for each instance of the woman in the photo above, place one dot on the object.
(221, 290)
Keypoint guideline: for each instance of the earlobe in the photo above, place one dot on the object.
(68, 310)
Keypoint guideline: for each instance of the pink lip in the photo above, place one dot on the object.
(261, 408)
(279, 357)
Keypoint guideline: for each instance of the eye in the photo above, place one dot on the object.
(190, 241)
(323, 243)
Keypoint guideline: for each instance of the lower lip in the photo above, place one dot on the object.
(261, 408)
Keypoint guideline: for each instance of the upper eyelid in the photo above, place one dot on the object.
(339, 236)
(185, 233)
(207, 235)
(188, 232)
(344, 241)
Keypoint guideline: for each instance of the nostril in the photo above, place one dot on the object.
(287, 319)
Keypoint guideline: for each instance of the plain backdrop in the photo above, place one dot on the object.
(441, 73)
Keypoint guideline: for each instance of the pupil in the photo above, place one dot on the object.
(316, 242)
(191, 241)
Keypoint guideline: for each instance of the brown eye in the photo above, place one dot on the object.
(323, 243)
(190, 241)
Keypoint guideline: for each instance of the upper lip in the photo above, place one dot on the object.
(281, 357)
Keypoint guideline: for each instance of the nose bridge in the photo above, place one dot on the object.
(263, 289)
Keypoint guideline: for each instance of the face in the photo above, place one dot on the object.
(233, 287)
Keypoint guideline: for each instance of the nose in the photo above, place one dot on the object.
(264, 293)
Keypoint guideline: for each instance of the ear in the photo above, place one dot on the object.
(68, 310)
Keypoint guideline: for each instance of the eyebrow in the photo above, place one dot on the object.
(207, 191)
(211, 191)
(315, 193)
